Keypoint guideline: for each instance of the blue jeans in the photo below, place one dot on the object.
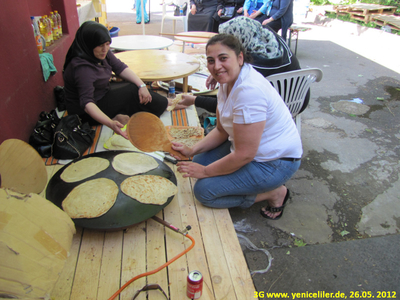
(240, 188)
(139, 11)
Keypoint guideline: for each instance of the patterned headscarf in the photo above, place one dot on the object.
(254, 37)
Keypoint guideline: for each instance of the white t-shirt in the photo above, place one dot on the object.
(251, 100)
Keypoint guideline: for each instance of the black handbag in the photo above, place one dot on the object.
(59, 93)
(42, 136)
(228, 12)
(71, 138)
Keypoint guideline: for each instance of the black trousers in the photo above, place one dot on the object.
(123, 98)
(275, 25)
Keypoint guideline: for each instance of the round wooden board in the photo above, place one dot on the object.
(21, 167)
(148, 133)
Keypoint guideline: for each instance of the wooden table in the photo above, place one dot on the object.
(194, 37)
(101, 262)
(140, 42)
(152, 65)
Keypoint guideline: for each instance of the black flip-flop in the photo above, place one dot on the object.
(275, 209)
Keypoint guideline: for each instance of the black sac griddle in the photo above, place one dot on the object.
(126, 210)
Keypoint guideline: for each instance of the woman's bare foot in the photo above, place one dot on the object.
(123, 119)
(275, 198)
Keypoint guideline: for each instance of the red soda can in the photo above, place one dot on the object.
(194, 285)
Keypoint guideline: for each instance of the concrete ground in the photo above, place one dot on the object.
(340, 229)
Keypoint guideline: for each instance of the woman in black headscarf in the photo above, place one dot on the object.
(87, 71)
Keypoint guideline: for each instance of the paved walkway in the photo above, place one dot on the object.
(345, 206)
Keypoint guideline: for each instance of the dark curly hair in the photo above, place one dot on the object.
(231, 42)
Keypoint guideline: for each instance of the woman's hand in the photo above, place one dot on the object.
(266, 21)
(246, 14)
(117, 127)
(211, 83)
(186, 101)
(254, 14)
(144, 95)
(185, 150)
(220, 12)
(191, 169)
(240, 10)
(193, 9)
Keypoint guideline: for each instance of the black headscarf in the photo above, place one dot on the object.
(90, 35)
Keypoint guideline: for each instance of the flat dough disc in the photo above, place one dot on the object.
(84, 168)
(149, 189)
(133, 163)
(91, 199)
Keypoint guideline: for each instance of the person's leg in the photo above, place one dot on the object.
(275, 25)
(242, 187)
(123, 98)
(138, 11)
(146, 16)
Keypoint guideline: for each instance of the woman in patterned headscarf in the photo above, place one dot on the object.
(87, 71)
(269, 54)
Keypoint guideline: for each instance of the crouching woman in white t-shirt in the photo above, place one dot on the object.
(255, 147)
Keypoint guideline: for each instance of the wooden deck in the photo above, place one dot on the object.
(101, 262)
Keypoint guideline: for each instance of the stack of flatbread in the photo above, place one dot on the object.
(186, 135)
(186, 132)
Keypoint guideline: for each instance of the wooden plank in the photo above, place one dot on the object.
(110, 272)
(363, 18)
(62, 289)
(175, 244)
(217, 261)
(196, 258)
(240, 274)
(156, 256)
(134, 261)
(88, 268)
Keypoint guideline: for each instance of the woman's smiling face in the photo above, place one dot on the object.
(223, 63)
(100, 52)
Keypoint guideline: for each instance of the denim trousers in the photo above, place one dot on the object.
(240, 188)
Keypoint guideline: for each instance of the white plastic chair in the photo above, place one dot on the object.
(293, 87)
(170, 16)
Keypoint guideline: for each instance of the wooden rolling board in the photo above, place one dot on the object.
(21, 167)
(147, 133)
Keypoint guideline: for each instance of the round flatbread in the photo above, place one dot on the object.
(84, 169)
(149, 189)
(133, 163)
(91, 199)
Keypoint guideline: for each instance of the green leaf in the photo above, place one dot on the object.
(380, 98)
(299, 243)
(369, 130)
(344, 232)
(288, 253)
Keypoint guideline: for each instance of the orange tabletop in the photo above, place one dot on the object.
(152, 65)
